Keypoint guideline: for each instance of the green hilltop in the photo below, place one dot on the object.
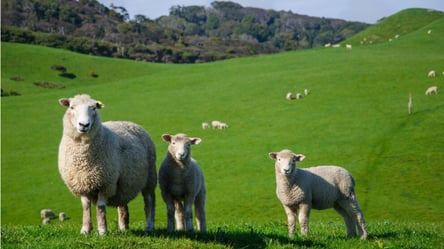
(355, 116)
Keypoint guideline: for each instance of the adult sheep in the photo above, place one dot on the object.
(431, 74)
(106, 163)
(432, 89)
(182, 184)
(322, 187)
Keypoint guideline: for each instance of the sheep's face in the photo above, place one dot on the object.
(286, 161)
(180, 145)
(82, 111)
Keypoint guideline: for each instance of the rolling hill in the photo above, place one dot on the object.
(355, 116)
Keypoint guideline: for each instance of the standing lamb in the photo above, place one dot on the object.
(320, 187)
(432, 89)
(106, 164)
(182, 183)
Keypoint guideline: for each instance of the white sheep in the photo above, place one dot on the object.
(205, 125)
(215, 124)
(106, 163)
(289, 96)
(431, 74)
(410, 104)
(432, 89)
(298, 95)
(182, 184)
(306, 92)
(62, 216)
(348, 46)
(223, 126)
(320, 187)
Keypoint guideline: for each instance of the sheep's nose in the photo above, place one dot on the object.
(84, 125)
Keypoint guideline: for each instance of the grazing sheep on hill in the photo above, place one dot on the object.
(432, 89)
(215, 124)
(306, 91)
(348, 46)
(322, 187)
(298, 95)
(223, 126)
(289, 96)
(205, 125)
(182, 183)
(431, 74)
(105, 163)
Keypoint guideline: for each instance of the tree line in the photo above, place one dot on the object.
(189, 34)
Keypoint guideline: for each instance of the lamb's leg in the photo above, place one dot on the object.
(188, 214)
(349, 220)
(178, 214)
(149, 199)
(199, 206)
(123, 214)
(304, 215)
(291, 219)
(86, 219)
(101, 215)
(359, 216)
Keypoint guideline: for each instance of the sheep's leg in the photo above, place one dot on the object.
(348, 219)
(199, 207)
(123, 214)
(291, 219)
(359, 216)
(86, 219)
(101, 215)
(150, 208)
(188, 214)
(178, 214)
(303, 216)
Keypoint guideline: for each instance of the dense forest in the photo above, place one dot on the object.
(189, 34)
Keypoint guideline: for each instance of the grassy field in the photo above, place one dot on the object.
(355, 116)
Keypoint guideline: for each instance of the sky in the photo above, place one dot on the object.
(368, 11)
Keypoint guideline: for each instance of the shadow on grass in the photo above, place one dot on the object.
(236, 239)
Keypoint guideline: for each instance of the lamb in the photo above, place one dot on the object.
(320, 187)
(106, 163)
(432, 89)
(182, 183)
(431, 74)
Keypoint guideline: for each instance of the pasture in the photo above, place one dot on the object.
(355, 116)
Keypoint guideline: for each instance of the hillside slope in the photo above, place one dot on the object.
(355, 116)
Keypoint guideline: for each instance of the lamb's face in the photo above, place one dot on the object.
(82, 111)
(286, 161)
(180, 145)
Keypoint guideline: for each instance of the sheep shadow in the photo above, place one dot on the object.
(235, 239)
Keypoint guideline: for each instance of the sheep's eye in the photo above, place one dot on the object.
(71, 107)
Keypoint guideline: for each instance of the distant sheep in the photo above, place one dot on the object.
(289, 96)
(327, 45)
(300, 190)
(432, 89)
(106, 163)
(429, 31)
(336, 45)
(348, 46)
(306, 92)
(205, 125)
(431, 74)
(215, 124)
(182, 184)
(223, 126)
(410, 104)
(62, 216)
(298, 95)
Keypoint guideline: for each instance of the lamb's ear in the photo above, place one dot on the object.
(64, 102)
(100, 105)
(272, 155)
(166, 138)
(299, 157)
(195, 140)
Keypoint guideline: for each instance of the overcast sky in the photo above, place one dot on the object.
(369, 11)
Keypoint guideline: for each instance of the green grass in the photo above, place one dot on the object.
(232, 235)
(356, 117)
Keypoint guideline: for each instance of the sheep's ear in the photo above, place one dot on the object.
(166, 138)
(195, 140)
(100, 105)
(64, 102)
(272, 155)
(299, 157)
